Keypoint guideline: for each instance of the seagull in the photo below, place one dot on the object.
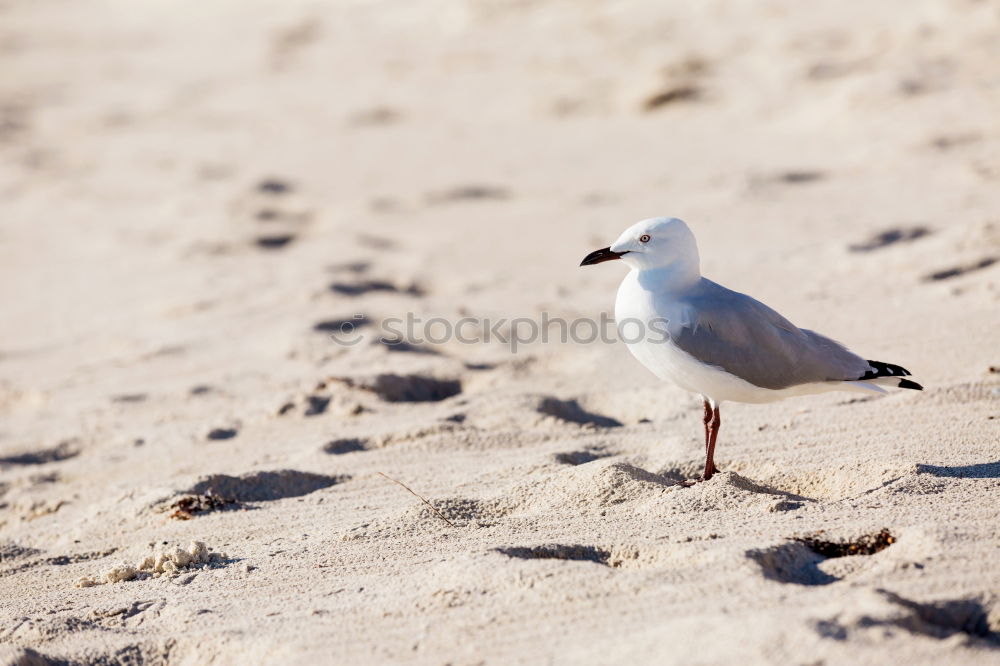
(720, 343)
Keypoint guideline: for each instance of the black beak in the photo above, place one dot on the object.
(598, 256)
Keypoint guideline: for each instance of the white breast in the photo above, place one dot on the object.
(637, 315)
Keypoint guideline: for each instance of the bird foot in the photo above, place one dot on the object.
(687, 483)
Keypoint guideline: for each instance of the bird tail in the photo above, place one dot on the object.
(887, 374)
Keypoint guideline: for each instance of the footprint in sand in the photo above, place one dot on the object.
(11, 553)
(346, 445)
(264, 486)
(408, 388)
(222, 492)
(343, 326)
(274, 241)
(576, 553)
(287, 43)
(800, 177)
(957, 271)
(274, 186)
(681, 82)
(272, 202)
(796, 177)
(362, 287)
(800, 560)
(424, 515)
(463, 193)
(614, 557)
(65, 450)
(890, 237)
(375, 117)
(671, 95)
(570, 411)
(310, 405)
(582, 456)
(953, 140)
(356, 267)
(835, 484)
(218, 434)
(125, 398)
(940, 619)
(10, 550)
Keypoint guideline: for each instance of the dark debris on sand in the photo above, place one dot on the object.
(189, 506)
(868, 544)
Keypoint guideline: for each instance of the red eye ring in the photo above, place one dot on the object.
(644, 238)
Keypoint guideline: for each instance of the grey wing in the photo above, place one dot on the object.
(750, 340)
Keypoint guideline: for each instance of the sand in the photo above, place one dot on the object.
(193, 196)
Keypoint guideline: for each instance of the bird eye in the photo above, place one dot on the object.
(644, 238)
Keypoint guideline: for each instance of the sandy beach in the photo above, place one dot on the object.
(211, 214)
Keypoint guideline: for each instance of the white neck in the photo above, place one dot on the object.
(675, 276)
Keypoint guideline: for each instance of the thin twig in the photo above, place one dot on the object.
(410, 490)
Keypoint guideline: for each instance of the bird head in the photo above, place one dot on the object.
(658, 242)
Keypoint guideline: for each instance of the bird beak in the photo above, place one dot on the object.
(598, 256)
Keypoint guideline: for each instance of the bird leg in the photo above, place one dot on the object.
(712, 420)
(706, 420)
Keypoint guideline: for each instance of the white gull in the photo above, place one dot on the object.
(719, 343)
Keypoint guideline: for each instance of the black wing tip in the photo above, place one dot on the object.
(880, 369)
